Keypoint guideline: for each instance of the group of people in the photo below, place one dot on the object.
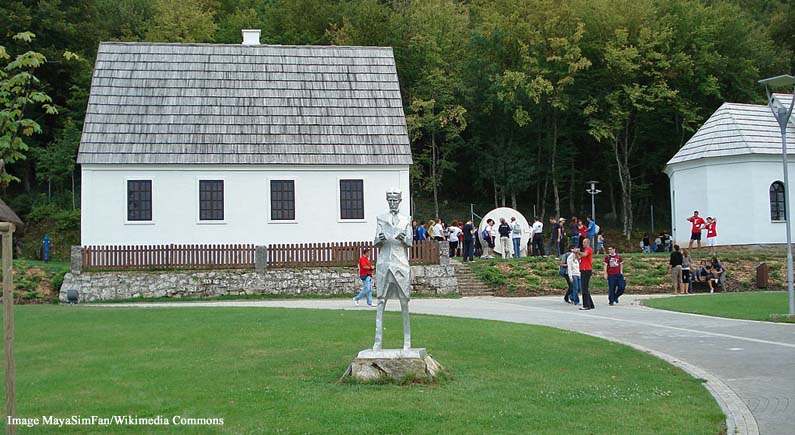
(700, 225)
(576, 267)
(684, 271)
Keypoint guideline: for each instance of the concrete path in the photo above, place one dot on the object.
(749, 366)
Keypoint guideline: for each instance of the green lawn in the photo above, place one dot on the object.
(276, 370)
(747, 305)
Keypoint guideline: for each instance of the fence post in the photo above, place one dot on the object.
(444, 253)
(76, 257)
(260, 258)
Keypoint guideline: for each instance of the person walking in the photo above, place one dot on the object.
(469, 239)
(552, 246)
(366, 275)
(560, 237)
(422, 233)
(675, 269)
(574, 231)
(586, 271)
(614, 271)
(582, 228)
(516, 237)
(600, 243)
(687, 276)
(488, 237)
(452, 237)
(538, 237)
(438, 231)
(570, 262)
(695, 232)
(592, 230)
(504, 230)
(712, 234)
(646, 244)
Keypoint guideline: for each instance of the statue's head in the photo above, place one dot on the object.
(394, 198)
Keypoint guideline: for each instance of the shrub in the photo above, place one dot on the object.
(57, 281)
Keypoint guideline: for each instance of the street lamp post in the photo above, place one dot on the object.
(782, 115)
(593, 191)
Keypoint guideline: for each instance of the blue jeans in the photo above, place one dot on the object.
(614, 287)
(367, 289)
(575, 290)
(517, 247)
(575, 240)
(646, 249)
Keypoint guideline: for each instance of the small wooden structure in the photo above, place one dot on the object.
(8, 222)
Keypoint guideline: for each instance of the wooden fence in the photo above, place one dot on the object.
(167, 257)
(341, 254)
(148, 257)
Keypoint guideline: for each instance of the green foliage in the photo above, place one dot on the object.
(182, 21)
(62, 227)
(57, 281)
(505, 99)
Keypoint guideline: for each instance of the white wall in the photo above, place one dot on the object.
(175, 204)
(735, 190)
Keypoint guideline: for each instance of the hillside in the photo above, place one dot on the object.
(535, 276)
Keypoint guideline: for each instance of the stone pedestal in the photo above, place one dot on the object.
(401, 365)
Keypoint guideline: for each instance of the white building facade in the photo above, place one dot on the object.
(208, 143)
(248, 213)
(732, 170)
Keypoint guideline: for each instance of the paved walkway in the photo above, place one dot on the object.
(749, 366)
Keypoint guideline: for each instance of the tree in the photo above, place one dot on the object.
(438, 128)
(182, 21)
(18, 92)
(638, 65)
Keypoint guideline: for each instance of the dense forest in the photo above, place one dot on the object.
(508, 102)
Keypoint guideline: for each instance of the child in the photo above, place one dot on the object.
(600, 243)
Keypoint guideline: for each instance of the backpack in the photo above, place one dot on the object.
(596, 229)
(517, 229)
(485, 234)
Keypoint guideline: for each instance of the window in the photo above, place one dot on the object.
(778, 210)
(211, 200)
(282, 200)
(139, 200)
(352, 199)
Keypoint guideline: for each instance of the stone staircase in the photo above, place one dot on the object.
(468, 283)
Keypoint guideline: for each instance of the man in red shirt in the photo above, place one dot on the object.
(586, 270)
(695, 232)
(614, 271)
(366, 275)
(712, 234)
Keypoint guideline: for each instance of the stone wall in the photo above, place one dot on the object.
(92, 286)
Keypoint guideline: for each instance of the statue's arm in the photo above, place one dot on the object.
(379, 234)
(408, 238)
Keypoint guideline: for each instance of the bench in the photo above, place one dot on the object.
(703, 287)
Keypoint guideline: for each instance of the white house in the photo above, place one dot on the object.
(212, 143)
(732, 169)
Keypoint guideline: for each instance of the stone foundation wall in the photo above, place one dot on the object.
(92, 286)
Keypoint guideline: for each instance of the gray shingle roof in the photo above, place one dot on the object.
(235, 104)
(8, 215)
(737, 129)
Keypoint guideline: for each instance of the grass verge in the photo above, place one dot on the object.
(276, 370)
(747, 305)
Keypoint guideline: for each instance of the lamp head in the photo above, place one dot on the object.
(778, 81)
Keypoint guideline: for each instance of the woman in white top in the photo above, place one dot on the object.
(452, 236)
(573, 263)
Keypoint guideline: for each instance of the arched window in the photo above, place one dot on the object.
(778, 210)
